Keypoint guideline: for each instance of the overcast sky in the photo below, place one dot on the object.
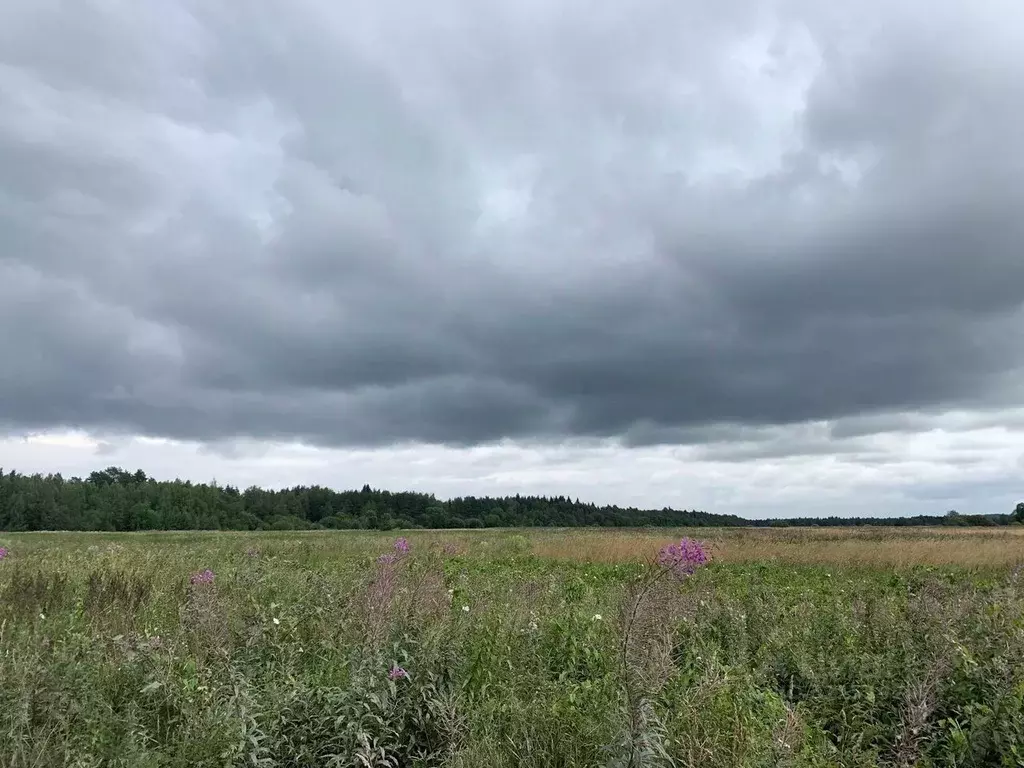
(752, 257)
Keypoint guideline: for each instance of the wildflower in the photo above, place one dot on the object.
(597, 617)
(203, 577)
(42, 615)
(3, 552)
(465, 608)
(277, 621)
(252, 552)
(683, 558)
(384, 586)
(397, 673)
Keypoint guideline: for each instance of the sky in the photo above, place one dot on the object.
(760, 257)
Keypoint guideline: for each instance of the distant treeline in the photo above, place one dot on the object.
(117, 500)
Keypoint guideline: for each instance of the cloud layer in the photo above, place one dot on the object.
(766, 473)
(365, 225)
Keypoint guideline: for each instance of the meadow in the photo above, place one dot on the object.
(472, 649)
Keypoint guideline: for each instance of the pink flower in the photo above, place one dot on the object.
(397, 673)
(683, 558)
(203, 577)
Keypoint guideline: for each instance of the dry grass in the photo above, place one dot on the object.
(864, 546)
(111, 656)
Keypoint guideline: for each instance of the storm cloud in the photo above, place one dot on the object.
(457, 223)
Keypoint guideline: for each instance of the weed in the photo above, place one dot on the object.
(799, 648)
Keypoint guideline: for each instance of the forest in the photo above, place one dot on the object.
(114, 499)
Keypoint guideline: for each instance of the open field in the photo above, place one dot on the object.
(799, 647)
(866, 546)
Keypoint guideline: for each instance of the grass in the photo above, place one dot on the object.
(872, 547)
(798, 647)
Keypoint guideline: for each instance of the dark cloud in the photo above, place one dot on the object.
(496, 220)
(106, 449)
(969, 491)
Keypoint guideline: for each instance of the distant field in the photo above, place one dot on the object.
(862, 546)
(800, 647)
(865, 546)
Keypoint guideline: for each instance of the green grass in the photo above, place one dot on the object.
(109, 657)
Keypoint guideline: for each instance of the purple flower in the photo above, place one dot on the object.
(3, 552)
(386, 559)
(203, 577)
(397, 673)
(252, 552)
(683, 558)
(401, 544)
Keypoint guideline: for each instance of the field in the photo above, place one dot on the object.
(791, 647)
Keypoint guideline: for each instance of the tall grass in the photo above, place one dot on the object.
(519, 648)
(863, 547)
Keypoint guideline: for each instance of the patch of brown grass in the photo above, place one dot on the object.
(864, 546)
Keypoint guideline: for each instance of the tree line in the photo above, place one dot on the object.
(115, 499)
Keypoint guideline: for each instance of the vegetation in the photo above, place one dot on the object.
(117, 500)
(505, 648)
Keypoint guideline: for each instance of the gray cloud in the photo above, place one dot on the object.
(356, 226)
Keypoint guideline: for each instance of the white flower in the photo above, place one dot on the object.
(597, 617)
(276, 621)
(533, 626)
(465, 608)
(42, 615)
